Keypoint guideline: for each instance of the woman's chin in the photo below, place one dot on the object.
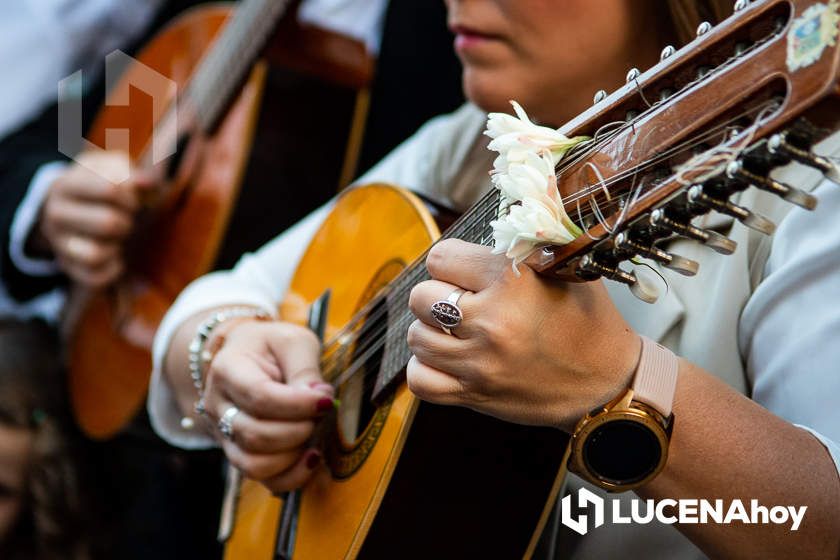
(493, 91)
(487, 92)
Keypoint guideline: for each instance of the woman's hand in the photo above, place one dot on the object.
(87, 217)
(269, 371)
(528, 350)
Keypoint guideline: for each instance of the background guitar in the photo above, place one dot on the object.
(210, 52)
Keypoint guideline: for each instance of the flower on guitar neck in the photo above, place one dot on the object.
(531, 213)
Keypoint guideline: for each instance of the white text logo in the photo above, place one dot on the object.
(668, 511)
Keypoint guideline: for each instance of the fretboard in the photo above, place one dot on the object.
(222, 70)
(473, 226)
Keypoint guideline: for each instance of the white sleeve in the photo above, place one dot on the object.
(790, 328)
(26, 217)
(361, 20)
(259, 279)
(46, 306)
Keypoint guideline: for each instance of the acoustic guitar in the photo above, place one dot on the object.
(407, 479)
(222, 60)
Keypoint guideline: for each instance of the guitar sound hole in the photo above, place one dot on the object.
(357, 411)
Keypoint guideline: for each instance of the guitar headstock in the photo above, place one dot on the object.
(709, 120)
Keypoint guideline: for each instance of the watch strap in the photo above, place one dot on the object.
(655, 381)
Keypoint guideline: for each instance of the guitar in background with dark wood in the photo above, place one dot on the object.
(242, 75)
(410, 480)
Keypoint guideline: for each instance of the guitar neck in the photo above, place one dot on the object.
(473, 226)
(226, 64)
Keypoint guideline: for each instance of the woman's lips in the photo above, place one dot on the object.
(467, 38)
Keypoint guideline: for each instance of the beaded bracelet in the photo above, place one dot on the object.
(199, 357)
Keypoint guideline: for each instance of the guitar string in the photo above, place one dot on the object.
(467, 221)
(372, 340)
(584, 153)
(725, 65)
(726, 151)
(481, 216)
(477, 217)
(590, 189)
(225, 65)
(411, 276)
(338, 341)
(362, 361)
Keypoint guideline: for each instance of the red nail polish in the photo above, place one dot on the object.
(313, 460)
(324, 405)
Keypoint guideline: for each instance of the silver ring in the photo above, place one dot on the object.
(76, 246)
(447, 313)
(226, 422)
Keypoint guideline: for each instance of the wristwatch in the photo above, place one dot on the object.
(624, 443)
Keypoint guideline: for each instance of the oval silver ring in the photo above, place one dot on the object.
(447, 313)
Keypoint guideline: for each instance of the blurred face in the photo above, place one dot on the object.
(15, 454)
(551, 55)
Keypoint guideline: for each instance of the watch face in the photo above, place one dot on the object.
(622, 451)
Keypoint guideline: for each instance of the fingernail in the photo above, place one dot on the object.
(322, 387)
(324, 405)
(313, 460)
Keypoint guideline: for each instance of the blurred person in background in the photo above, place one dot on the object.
(62, 223)
(43, 513)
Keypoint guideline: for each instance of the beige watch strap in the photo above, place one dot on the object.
(655, 381)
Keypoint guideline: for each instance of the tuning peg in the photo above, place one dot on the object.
(684, 266)
(740, 5)
(667, 52)
(633, 74)
(736, 170)
(698, 198)
(778, 144)
(704, 28)
(712, 239)
(600, 95)
(643, 289)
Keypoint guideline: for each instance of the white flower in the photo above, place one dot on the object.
(529, 225)
(533, 177)
(532, 215)
(513, 137)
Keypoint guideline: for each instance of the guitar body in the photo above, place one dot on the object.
(403, 479)
(109, 358)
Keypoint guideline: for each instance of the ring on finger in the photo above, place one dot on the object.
(447, 313)
(76, 246)
(226, 422)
